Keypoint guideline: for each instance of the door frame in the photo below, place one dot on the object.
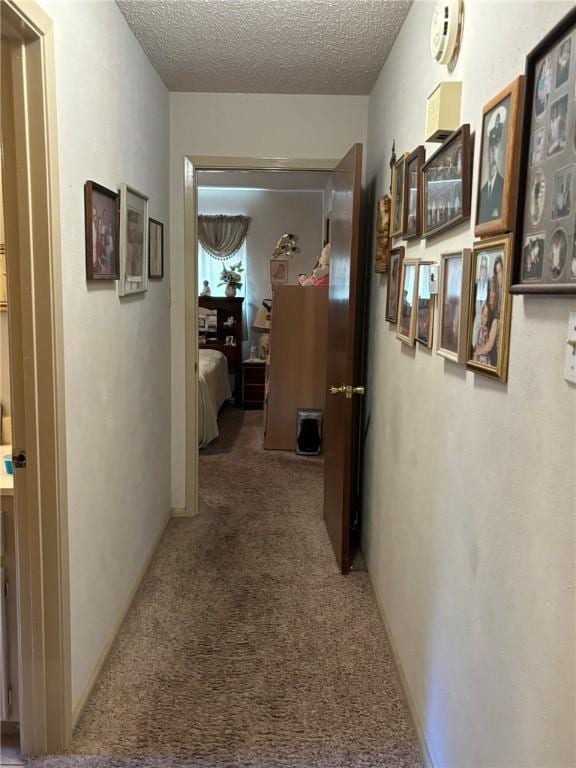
(192, 165)
(36, 326)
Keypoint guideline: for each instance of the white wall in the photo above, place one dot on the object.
(242, 125)
(113, 127)
(272, 212)
(469, 529)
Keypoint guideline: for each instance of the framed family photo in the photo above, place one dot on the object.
(453, 305)
(412, 206)
(278, 272)
(499, 156)
(101, 216)
(382, 233)
(424, 305)
(397, 197)
(545, 242)
(406, 326)
(394, 271)
(446, 181)
(490, 307)
(133, 242)
(155, 249)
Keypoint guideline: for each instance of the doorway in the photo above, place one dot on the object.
(36, 503)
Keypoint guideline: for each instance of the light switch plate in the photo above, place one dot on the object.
(570, 358)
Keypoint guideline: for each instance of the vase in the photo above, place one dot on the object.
(230, 291)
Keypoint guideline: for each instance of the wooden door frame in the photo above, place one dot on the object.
(192, 165)
(37, 375)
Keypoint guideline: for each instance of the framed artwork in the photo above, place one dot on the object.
(424, 306)
(382, 233)
(101, 225)
(499, 156)
(394, 271)
(397, 197)
(453, 305)
(446, 183)
(545, 233)
(412, 207)
(406, 326)
(155, 248)
(490, 307)
(278, 272)
(133, 242)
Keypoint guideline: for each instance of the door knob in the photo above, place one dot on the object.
(338, 390)
(346, 389)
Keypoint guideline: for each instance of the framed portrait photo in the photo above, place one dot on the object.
(490, 307)
(101, 215)
(446, 184)
(382, 233)
(278, 272)
(397, 197)
(545, 232)
(155, 249)
(499, 157)
(453, 305)
(424, 305)
(412, 207)
(133, 242)
(406, 326)
(394, 271)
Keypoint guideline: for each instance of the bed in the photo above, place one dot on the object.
(213, 391)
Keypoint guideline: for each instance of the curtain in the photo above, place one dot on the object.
(222, 236)
(210, 269)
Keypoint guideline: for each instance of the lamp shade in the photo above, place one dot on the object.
(262, 320)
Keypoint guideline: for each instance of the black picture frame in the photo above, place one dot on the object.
(533, 264)
(95, 267)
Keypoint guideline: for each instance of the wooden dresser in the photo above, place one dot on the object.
(296, 371)
(227, 331)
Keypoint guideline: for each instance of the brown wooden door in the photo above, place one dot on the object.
(342, 412)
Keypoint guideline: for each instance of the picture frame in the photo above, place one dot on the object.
(394, 273)
(133, 242)
(490, 307)
(446, 184)
(453, 305)
(383, 209)
(397, 195)
(406, 325)
(101, 227)
(499, 160)
(545, 232)
(155, 249)
(279, 271)
(425, 303)
(412, 205)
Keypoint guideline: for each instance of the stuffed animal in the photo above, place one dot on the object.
(321, 273)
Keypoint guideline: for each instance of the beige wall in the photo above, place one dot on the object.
(253, 125)
(113, 128)
(469, 529)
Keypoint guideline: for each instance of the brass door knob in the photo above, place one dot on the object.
(347, 389)
(338, 390)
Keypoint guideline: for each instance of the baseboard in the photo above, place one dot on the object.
(181, 512)
(82, 701)
(428, 763)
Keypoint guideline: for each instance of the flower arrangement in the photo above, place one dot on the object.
(232, 275)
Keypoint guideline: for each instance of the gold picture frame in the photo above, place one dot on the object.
(425, 303)
(453, 305)
(490, 308)
(408, 289)
(397, 195)
(383, 207)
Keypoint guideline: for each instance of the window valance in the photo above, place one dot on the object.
(222, 236)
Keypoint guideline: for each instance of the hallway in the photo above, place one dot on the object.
(245, 646)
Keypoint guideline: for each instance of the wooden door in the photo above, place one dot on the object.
(342, 412)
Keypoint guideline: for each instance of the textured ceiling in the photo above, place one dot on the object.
(277, 180)
(267, 46)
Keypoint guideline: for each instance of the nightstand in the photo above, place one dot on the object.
(253, 384)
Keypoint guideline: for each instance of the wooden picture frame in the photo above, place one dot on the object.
(383, 207)
(545, 232)
(453, 305)
(499, 159)
(425, 303)
(155, 249)
(412, 205)
(394, 274)
(279, 271)
(397, 195)
(447, 203)
(490, 308)
(406, 325)
(102, 226)
(133, 242)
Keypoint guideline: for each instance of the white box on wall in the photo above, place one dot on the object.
(443, 111)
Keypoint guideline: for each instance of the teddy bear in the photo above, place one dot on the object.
(321, 273)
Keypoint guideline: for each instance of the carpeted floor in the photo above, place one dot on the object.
(245, 648)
